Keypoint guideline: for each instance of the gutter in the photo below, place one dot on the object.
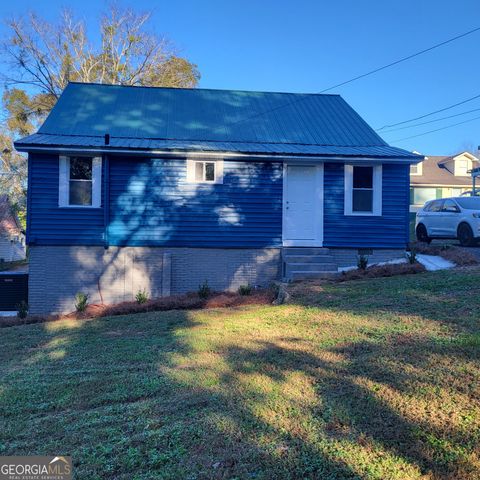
(231, 155)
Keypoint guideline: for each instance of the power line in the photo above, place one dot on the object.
(404, 59)
(431, 121)
(436, 130)
(358, 77)
(430, 113)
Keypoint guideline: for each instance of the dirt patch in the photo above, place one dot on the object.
(457, 255)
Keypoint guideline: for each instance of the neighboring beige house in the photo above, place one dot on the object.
(12, 239)
(440, 177)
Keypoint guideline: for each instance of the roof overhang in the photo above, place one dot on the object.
(68, 150)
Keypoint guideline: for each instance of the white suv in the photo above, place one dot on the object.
(457, 217)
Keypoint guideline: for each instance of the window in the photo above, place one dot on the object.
(80, 182)
(416, 169)
(469, 203)
(363, 190)
(450, 206)
(205, 171)
(421, 195)
(435, 206)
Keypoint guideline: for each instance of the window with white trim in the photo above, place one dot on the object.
(416, 168)
(80, 181)
(204, 171)
(363, 190)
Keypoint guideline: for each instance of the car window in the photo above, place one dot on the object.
(450, 206)
(435, 206)
(470, 203)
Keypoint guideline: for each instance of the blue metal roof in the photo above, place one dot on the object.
(215, 120)
(95, 143)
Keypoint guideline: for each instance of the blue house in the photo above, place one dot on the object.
(134, 188)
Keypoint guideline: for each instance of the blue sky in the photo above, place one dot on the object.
(306, 46)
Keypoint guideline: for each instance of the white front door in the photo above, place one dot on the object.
(303, 205)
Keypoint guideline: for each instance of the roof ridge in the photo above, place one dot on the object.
(205, 89)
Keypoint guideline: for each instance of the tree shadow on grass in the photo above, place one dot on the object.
(365, 395)
(123, 401)
(449, 299)
(167, 395)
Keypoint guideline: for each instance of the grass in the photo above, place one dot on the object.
(376, 379)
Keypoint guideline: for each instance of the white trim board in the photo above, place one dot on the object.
(64, 183)
(377, 192)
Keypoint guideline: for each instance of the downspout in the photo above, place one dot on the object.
(106, 214)
(28, 240)
(106, 200)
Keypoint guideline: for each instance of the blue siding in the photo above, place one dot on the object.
(151, 204)
(51, 225)
(388, 231)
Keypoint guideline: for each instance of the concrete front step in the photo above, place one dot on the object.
(305, 251)
(310, 267)
(306, 275)
(326, 258)
(308, 262)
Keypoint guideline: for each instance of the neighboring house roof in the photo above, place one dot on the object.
(146, 118)
(434, 173)
(8, 221)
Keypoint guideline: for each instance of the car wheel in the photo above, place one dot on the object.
(465, 235)
(422, 234)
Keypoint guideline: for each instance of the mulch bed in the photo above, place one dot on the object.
(377, 271)
(188, 301)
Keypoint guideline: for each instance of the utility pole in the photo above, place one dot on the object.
(475, 172)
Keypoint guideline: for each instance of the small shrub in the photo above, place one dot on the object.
(245, 289)
(22, 310)
(412, 256)
(204, 290)
(362, 262)
(274, 289)
(141, 297)
(81, 301)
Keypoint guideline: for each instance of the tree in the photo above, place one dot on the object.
(13, 175)
(41, 58)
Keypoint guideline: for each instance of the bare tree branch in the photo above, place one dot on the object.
(43, 57)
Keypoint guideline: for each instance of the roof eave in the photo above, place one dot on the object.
(36, 148)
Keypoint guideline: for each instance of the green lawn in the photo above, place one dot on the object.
(376, 379)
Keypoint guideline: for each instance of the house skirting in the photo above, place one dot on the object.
(348, 257)
(116, 274)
